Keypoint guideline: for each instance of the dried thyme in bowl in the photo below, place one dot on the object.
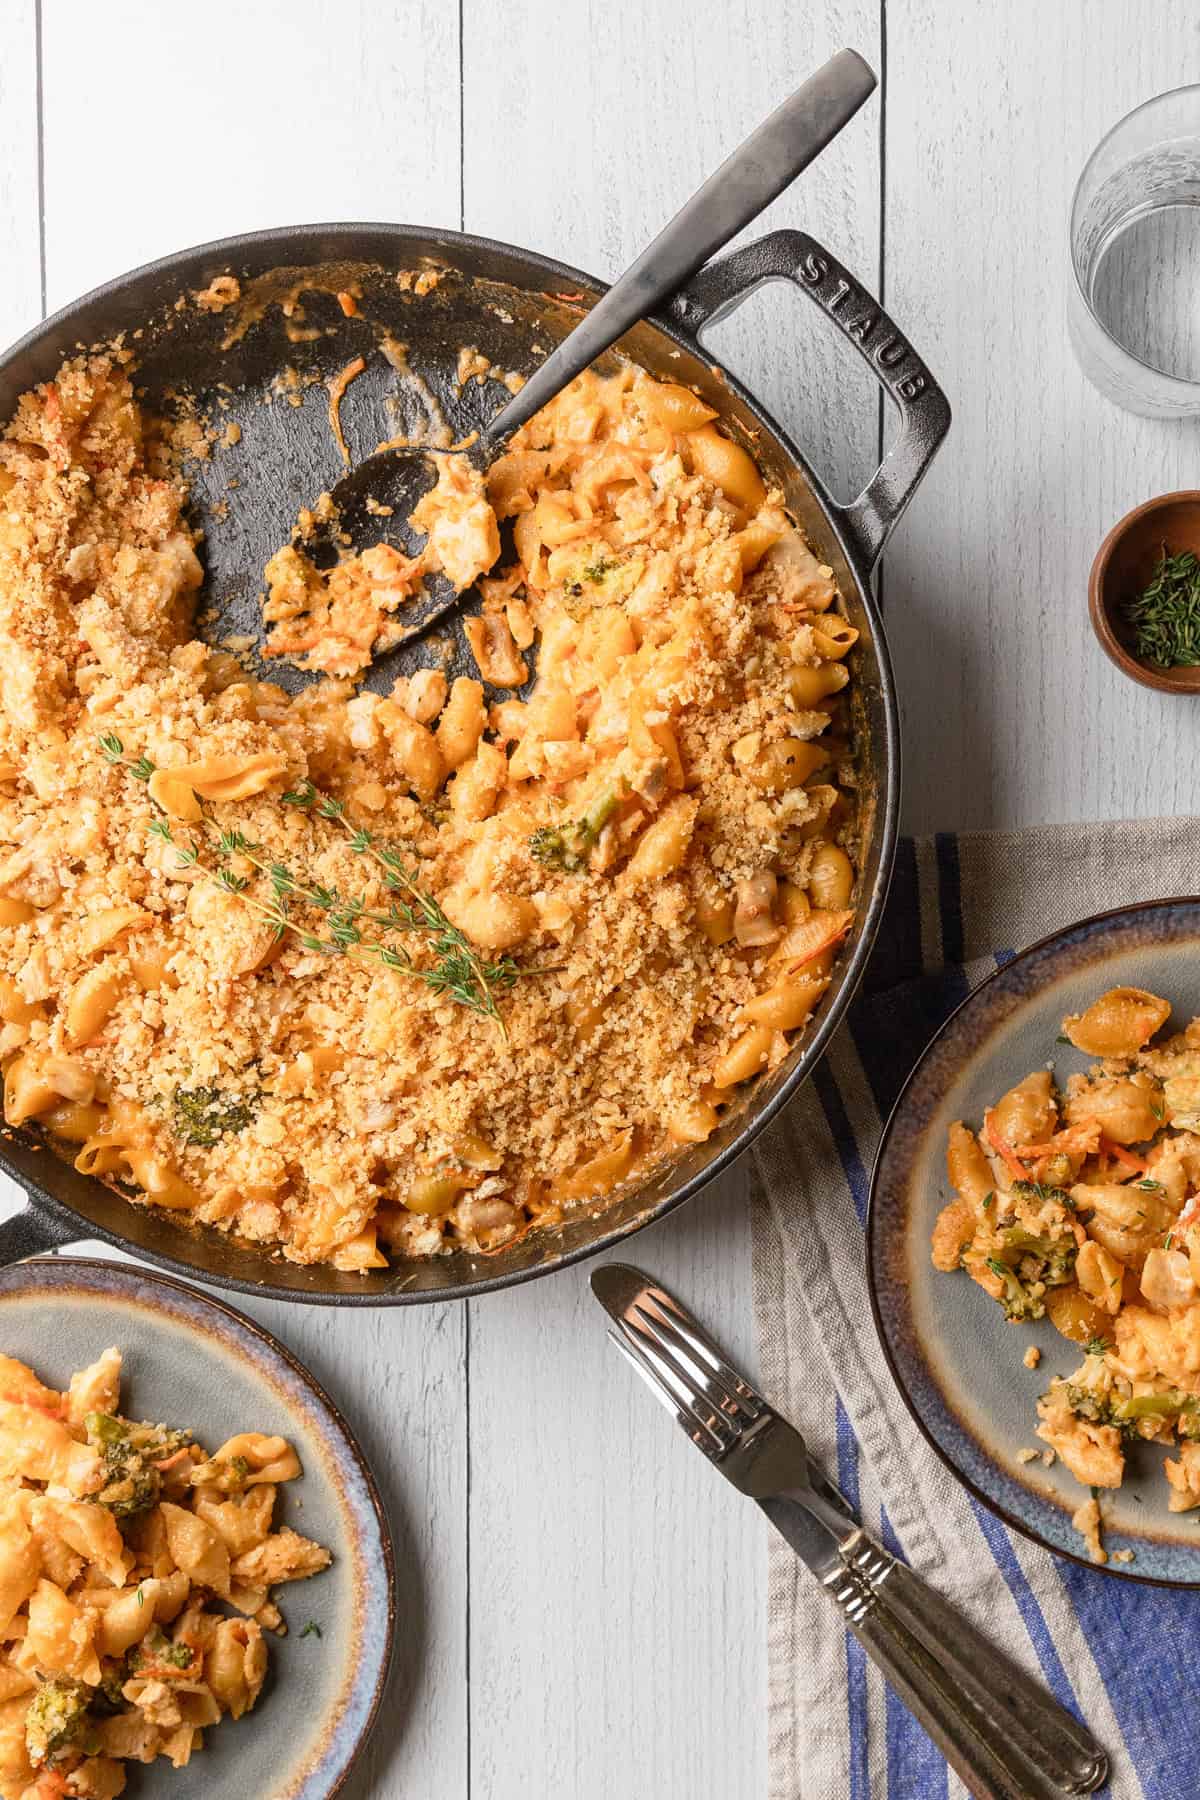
(1164, 619)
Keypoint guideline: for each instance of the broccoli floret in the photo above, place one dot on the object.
(1028, 1263)
(1018, 1301)
(203, 1115)
(156, 1651)
(55, 1719)
(1037, 1193)
(108, 1698)
(567, 847)
(1056, 1255)
(1087, 1404)
(1125, 1411)
(1171, 1405)
(132, 1484)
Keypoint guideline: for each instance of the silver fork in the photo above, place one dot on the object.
(1001, 1732)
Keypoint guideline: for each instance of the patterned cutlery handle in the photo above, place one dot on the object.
(1047, 1732)
(1001, 1733)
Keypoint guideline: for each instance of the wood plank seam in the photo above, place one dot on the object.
(40, 114)
(882, 278)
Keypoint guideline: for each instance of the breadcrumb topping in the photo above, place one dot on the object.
(655, 848)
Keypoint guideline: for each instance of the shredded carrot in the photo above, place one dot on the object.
(1071, 1137)
(822, 941)
(172, 1461)
(337, 390)
(1005, 1151)
(348, 304)
(1136, 1165)
(835, 937)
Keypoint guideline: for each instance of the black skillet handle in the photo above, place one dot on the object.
(924, 410)
(33, 1232)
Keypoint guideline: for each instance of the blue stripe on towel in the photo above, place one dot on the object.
(844, 1141)
(1144, 1642)
(995, 1535)
(1034, 1620)
(856, 1657)
(896, 957)
(915, 1765)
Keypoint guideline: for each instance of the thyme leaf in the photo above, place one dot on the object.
(1164, 619)
(457, 970)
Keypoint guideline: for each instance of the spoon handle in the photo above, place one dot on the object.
(768, 161)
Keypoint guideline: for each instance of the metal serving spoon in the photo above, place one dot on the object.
(746, 182)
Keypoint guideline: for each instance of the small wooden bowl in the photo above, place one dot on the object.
(1125, 562)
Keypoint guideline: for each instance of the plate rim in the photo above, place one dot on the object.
(141, 1275)
(1121, 1571)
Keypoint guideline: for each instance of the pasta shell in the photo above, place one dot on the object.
(103, 927)
(233, 777)
(175, 795)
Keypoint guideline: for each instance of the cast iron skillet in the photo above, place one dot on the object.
(513, 306)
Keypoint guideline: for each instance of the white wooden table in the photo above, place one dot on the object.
(581, 1604)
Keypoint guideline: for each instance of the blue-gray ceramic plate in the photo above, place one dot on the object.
(189, 1360)
(957, 1363)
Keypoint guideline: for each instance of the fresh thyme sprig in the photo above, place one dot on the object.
(458, 958)
(457, 970)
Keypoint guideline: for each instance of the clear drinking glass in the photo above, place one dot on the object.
(1134, 303)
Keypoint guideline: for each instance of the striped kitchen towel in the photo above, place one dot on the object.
(1125, 1657)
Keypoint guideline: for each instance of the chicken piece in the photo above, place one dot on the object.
(1091, 1451)
(1086, 1520)
(1158, 1347)
(794, 575)
(1184, 1477)
(284, 1556)
(464, 539)
(1167, 1280)
(952, 1234)
(1181, 1095)
(1174, 1163)
(337, 621)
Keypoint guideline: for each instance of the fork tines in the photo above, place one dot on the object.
(686, 1370)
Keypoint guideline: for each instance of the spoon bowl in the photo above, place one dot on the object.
(373, 504)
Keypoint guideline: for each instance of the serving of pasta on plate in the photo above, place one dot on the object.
(358, 975)
(135, 1582)
(1082, 1204)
